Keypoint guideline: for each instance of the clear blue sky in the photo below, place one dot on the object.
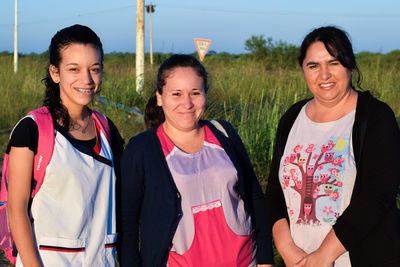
(373, 25)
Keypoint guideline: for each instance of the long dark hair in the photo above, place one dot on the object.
(154, 114)
(77, 34)
(338, 45)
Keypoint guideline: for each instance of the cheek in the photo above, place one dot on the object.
(310, 77)
(97, 78)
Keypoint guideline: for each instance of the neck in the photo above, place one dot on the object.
(79, 114)
(324, 112)
(189, 141)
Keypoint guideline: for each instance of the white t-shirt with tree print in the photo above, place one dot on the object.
(317, 175)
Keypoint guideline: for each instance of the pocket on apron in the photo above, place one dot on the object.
(109, 246)
(55, 251)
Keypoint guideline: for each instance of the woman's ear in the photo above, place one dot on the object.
(159, 100)
(54, 73)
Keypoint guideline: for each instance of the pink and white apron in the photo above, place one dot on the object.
(74, 211)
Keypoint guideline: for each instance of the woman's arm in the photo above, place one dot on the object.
(19, 190)
(326, 254)
(290, 253)
(376, 186)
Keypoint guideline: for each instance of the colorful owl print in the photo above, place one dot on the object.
(310, 170)
(316, 178)
(299, 184)
(329, 156)
(324, 177)
(307, 208)
(302, 160)
(310, 148)
(292, 157)
(328, 188)
(286, 179)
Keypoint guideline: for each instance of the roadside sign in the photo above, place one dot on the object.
(202, 46)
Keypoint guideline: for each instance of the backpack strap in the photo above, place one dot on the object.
(45, 148)
(4, 181)
(101, 120)
(219, 127)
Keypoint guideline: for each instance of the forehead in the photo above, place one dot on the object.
(318, 51)
(80, 52)
(183, 76)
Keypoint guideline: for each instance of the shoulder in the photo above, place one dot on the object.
(143, 140)
(113, 129)
(25, 124)
(294, 110)
(372, 108)
(222, 128)
(24, 134)
(219, 125)
(117, 142)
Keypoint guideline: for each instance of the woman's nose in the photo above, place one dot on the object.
(86, 77)
(188, 101)
(325, 73)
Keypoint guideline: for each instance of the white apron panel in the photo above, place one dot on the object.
(74, 210)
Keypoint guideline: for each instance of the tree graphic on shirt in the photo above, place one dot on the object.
(302, 173)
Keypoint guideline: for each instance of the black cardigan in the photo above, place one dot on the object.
(149, 204)
(369, 228)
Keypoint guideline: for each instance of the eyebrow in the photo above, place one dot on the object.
(316, 63)
(76, 64)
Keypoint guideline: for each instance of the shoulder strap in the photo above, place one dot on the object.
(4, 180)
(45, 148)
(219, 127)
(101, 120)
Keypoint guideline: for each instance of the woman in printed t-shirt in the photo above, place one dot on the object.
(333, 181)
(189, 195)
(71, 220)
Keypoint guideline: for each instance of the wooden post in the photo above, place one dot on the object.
(150, 9)
(139, 45)
(16, 36)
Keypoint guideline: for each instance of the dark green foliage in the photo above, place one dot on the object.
(274, 55)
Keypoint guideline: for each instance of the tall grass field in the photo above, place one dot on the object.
(252, 92)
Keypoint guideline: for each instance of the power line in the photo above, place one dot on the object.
(215, 10)
(109, 10)
(279, 13)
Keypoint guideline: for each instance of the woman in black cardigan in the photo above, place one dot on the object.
(334, 201)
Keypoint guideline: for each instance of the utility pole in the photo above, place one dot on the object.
(150, 9)
(16, 36)
(139, 46)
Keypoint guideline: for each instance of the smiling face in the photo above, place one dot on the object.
(183, 99)
(327, 78)
(78, 74)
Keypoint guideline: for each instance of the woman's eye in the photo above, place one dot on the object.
(176, 94)
(96, 70)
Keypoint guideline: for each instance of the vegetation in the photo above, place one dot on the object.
(252, 91)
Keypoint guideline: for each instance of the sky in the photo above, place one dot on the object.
(373, 25)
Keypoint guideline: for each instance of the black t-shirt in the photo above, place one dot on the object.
(25, 134)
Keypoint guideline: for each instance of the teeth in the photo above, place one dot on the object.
(84, 91)
(326, 84)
